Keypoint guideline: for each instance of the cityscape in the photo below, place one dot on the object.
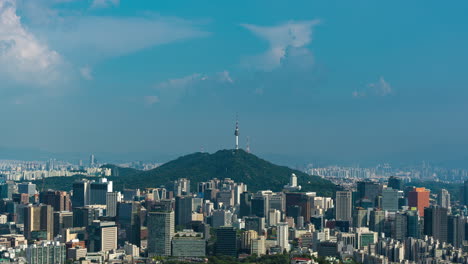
(233, 132)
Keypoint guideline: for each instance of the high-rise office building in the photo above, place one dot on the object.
(282, 236)
(377, 220)
(160, 233)
(395, 183)
(5, 191)
(465, 192)
(128, 215)
(456, 230)
(301, 200)
(443, 198)
(413, 224)
(246, 240)
(84, 216)
(60, 201)
(260, 205)
(38, 222)
(419, 198)
(400, 226)
(368, 191)
(390, 199)
(181, 187)
(129, 194)
(62, 220)
(112, 199)
(255, 223)
(81, 192)
(92, 161)
(360, 217)
(98, 191)
(344, 206)
(102, 236)
(436, 222)
(27, 187)
(226, 241)
(183, 210)
(245, 206)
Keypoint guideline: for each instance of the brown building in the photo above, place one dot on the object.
(298, 204)
(419, 198)
(60, 201)
(38, 222)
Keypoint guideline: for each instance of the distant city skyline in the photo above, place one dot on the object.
(342, 82)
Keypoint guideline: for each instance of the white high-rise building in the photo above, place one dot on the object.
(282, 236)
(112, 199)
(160, 233)
(343, 207)
(444, 198)
(292, 186)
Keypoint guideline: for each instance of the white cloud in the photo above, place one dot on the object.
(23, 58)
(151, 99)
(104, 3)
(378, 88)
(174, 89)
(293, 34)
(86, 73)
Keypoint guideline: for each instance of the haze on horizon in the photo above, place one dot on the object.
(356, 81)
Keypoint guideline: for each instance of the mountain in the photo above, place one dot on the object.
(238, 165)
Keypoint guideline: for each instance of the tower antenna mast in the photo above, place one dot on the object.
(236, 132)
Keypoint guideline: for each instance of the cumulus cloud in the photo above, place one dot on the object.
(104, 3)
(23, 58)
(293, 35)
(173, 89)
(84, 39)
(86, 73)
(378, 88)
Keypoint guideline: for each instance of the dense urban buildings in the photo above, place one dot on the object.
(375, 219)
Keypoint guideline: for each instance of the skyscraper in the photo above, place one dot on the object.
(62, 220)
(369, 191)
(465, 192)
(99, 190)
(183, 210)
(160, 233)
(299, 199)
(344, 206)
(419, 198)
(377, 220)
(413, 224)
(60, 201)
(102, 236)
(395, 183)
(81, 192)
(456, 230)
(436, 222)
(443, 198)
(112, 199)
(27, 187)
(245, 206)
(390, 198)
(128, 215)
(226, 241)
(282, 236)
(38, 222)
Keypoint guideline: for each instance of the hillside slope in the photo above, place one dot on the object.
(238, 165)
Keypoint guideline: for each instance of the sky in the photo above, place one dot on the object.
(336, 81)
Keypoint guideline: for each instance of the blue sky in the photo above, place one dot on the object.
(331, 80)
